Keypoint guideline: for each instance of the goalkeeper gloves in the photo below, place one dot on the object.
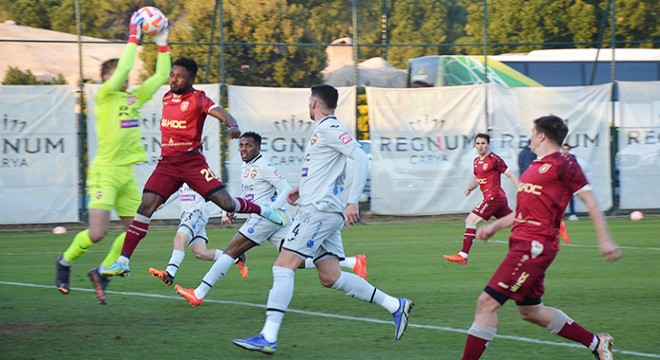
(135, 28)
(162, 37)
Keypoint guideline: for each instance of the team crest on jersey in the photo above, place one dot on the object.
(345, 138)
(485, 166)
(131, 99)
(184, 105)
(253, 173)
(544, 168)
(314, 139)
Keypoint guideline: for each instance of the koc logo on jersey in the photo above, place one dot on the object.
(530, 188)
(175, 124)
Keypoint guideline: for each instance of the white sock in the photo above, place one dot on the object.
(464, 255)
(348, 263)
(278, 301)
(217, 254)
(594, 343)
(357, 287)
(175, 261)
(215, 273)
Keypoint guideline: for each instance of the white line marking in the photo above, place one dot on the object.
(344, 317)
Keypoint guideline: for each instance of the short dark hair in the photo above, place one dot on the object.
(251, 134)
(553, 127)
(108, 66)
(327, 94)
(189, 64)
(483, 136)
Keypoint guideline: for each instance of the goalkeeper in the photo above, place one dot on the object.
(111, 179)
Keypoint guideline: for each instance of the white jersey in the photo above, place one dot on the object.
(259, 178)
(190, 201)
(324, 169)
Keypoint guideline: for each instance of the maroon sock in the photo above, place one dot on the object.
(246, 206)
(474, 347)
(574, 331)
(468, 239)
(134, 234)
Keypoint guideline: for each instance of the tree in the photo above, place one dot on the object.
(15, 76)
(31, 13)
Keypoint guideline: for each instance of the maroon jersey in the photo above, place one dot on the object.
(183, 121)
(545, 189)
(488, 172)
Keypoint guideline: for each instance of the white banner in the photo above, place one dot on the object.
(423, 141)
(39, 165)
(281, 117)
(586, 111)
(422, 147)
(151, 136)
(638, 158)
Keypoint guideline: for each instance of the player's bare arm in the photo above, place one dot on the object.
(485, 232)
(512, 177)
(220, 114)
(473, 185)
(606, 244)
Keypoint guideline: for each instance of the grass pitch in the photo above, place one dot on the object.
(144, 319)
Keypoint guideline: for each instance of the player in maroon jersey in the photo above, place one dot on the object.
(184, 112)
(488, 169)
(545, 189)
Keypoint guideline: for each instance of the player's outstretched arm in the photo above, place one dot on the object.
(514, 179)
(608, 247)
(485, 232)
(163, 66)
(125, 63)
(220, 114)
(473, 185)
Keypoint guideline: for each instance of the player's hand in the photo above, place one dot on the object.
(135, 27)
(351, 214)
(610, 251)
(162, 37)
(227, 219)
(485, 232)
(467, 191)
(234, 132)
(293, 196)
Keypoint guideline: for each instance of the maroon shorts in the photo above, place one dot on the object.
(520, 275)
(488, 207)
(172, 171)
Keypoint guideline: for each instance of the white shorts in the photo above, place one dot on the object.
(193, 224)
(258, 230)
(316, 234)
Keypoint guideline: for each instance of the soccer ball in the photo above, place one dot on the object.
(636, 216)
(154, 20)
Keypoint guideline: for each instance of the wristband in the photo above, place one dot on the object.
(163, 48)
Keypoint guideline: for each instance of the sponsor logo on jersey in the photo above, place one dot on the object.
(345, 138)
(99, 194)
(249, 197)
(305, 171)
(184, 105)
(174, 124)
(530, 188)
(133, 123)
(277, 173)
(187, 197)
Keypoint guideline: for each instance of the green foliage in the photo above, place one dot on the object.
(432, 26)
(145, 319)
(31, 13)
(16, 76)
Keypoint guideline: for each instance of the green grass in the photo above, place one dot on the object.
(147, 320)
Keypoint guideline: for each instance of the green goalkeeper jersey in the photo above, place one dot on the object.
(118, 112)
